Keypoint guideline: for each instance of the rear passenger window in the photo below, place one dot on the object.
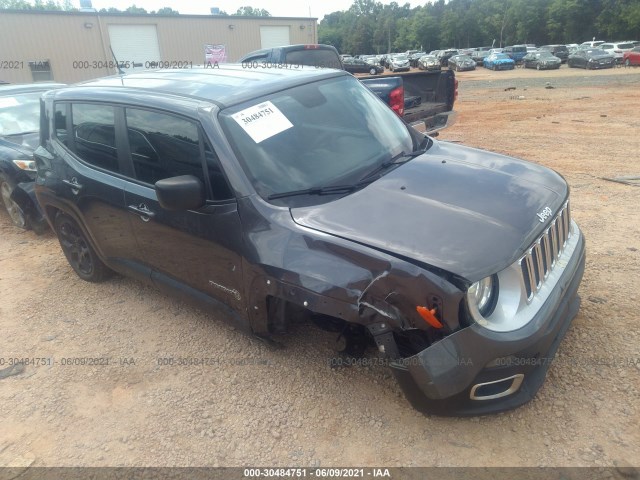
(162, 146)
(94, 135)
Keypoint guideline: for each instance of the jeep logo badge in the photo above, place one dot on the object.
(544, 214)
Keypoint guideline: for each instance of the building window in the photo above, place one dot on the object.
(41, 71)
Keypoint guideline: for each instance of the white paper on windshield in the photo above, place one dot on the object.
(262, 121)
(8, 102)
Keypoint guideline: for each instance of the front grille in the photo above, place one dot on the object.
(541, 257)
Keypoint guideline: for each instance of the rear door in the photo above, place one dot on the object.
(93, 180)
(196, 251)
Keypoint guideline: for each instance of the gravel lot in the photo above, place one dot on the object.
(254, 405)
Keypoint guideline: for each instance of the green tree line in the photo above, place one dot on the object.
(372, 27)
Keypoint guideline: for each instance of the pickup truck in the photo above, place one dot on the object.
(424, 99)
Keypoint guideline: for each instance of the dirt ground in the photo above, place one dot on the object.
(256, 406)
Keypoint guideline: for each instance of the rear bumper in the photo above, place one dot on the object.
(435, 123)
(452, 377)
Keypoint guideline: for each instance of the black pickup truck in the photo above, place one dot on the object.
(424, 99)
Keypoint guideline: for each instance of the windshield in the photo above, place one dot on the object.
(400, 58)
(20, 114)
(501, 56)
(546, 55)
(320, 134)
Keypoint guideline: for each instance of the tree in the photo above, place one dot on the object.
(252, 12)
(166, 11)
(369, 26)
(134, 9)
(66, 5)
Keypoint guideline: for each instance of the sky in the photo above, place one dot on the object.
(318, 8)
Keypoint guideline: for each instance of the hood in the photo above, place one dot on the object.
(598, 56)
(467, 211)
(19, 146)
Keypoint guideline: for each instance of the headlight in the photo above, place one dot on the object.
(27, 165)
(482, 295)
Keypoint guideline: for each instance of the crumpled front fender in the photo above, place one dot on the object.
(24, 195)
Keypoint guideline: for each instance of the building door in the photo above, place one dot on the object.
(135, 45)
(274, 36)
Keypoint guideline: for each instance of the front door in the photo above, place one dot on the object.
(194, 250)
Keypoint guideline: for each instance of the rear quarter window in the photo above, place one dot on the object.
(319, 58)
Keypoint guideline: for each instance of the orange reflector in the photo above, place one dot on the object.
(429, 316)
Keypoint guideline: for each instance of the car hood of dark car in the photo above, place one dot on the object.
(466, 211)
(598, 56)
(22, 145)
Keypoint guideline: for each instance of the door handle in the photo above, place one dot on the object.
(73, 183)
(143, 211)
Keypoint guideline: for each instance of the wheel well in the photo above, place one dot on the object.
(51, 212)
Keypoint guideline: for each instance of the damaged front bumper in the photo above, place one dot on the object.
(476, 371)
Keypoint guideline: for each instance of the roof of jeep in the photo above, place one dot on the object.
(224, 85)
(16, 89)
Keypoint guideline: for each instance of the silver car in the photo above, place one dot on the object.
(429, 62)
(399, 63)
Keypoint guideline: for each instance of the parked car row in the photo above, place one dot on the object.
(544, 57)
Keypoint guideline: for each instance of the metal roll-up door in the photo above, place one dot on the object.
(274, 36)
(135, 44)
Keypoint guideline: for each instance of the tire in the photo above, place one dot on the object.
(79, 252)
(372, 71)
(13, 209)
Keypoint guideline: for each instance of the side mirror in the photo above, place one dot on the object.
(185, 192)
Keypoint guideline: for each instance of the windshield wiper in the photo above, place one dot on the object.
(398, 159)
(328, 190)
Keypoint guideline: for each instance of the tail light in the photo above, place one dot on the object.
(455, 89)
(396, 100)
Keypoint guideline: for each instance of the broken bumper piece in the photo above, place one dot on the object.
(476, 371)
